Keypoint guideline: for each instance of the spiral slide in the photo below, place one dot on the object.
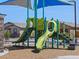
(41, 41)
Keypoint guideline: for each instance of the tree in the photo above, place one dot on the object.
(7, 34)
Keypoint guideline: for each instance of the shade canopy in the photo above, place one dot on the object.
(51, 3)
(23, 3)
(6, 1)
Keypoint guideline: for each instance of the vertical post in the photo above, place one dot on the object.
(63, 33)
(52, 35)
(59, 27)
(43, 8)
(57, 34)
(75, 21)
(44, 18)
(27, 9)
(35, 16)
(27, 20)
(45, 25)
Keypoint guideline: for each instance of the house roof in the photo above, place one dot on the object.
(2, 15)
(21, 25)
(71, 24)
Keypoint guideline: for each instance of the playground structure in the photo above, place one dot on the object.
(46, 29)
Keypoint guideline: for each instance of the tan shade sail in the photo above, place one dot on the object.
(23, 3)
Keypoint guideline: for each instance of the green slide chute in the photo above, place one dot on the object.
(41, 41)
(26, 34)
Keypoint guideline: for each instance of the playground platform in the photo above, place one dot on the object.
(26, 53)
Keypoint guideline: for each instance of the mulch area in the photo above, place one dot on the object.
(27, 53)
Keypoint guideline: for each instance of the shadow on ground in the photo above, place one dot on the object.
(19, 48)
(33, 48)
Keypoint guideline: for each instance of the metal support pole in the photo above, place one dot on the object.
(57, 34)
(28, 20)
(63, 33)
(52, 35)
(75, 21)
(44, 18)
(36, 22)
(43, 8)
(45, 25)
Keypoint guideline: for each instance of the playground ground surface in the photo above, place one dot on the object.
(26, 53)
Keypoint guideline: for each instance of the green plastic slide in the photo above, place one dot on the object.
(25, 35)
(41, 41)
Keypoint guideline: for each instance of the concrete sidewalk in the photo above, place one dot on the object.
(68, 57)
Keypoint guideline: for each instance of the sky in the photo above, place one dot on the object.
(19, 14)
(3, 0)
